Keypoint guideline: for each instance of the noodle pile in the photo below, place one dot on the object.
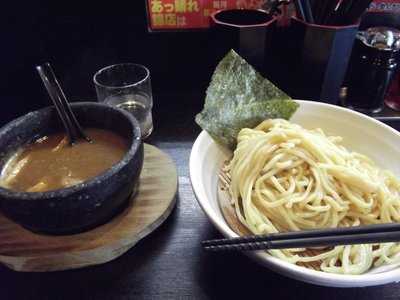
(287, 178)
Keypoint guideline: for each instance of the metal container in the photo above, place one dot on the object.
(374, 63)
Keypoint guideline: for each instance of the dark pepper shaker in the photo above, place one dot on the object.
(374, 64)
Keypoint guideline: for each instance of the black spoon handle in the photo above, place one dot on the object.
(72, 127)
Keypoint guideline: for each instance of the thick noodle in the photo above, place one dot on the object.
(287, 178)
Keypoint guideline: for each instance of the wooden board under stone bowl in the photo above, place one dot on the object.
(22, 250)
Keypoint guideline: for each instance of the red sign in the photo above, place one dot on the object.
(189, 14)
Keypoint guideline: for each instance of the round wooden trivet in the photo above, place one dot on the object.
(22, 250)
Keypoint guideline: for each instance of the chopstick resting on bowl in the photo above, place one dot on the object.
(371, 234)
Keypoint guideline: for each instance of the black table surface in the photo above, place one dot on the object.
(170, 264)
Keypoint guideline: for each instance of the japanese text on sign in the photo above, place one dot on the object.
(184, 14)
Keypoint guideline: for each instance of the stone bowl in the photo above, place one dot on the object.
(85, 205)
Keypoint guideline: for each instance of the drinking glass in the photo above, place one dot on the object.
(127, 86)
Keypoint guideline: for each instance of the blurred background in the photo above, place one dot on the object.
(86, 38)
(78, 45)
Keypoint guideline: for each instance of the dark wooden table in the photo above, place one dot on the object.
(169, 264)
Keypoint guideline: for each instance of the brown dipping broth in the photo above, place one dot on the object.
(50, 163)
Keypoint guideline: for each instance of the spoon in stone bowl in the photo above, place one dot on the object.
(73, 129)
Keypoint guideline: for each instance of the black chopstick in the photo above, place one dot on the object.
(316, 8)
(314, 236)
(327, 241)
(309, 18)
(332, 16)
(343, 12)
(337, 12)
(357, 9)
(300, 10)
(322, 9)
(387, 227)
(328, 11)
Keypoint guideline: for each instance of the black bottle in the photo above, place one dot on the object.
(374, 63)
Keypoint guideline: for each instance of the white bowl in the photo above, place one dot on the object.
(361, 133)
